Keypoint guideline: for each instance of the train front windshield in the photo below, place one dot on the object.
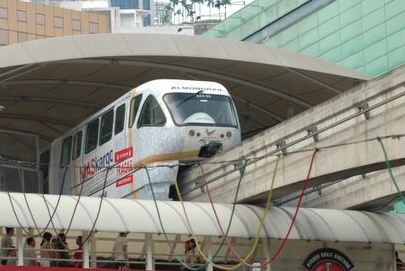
(201, 109)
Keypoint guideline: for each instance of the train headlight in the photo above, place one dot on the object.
(191, 133)
(228, 134)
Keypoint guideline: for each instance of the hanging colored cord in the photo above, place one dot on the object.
(306, 182)
(242, 170)
(75, 208)
(51, 216)
(164, 232)
(210, 261)
(50, 221)
(388, 166)
(304, 188)
(256, 241)
(200, 267)
(99, 208)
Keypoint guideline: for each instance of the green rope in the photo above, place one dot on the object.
(388, 166)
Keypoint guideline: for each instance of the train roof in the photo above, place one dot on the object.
(163, 86)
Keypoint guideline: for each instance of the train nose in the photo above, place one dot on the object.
(209, 149)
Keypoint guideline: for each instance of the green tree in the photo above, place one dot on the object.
(210, 4)
(178, 13)
(225, 3)
(188, 9)
(199, 2)
(167, 15)
(218, 5)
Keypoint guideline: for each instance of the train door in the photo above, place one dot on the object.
(126, 149)
(122, 152)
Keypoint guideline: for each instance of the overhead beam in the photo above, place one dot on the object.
(39, 119)
(121, 87)
(50, 100)
(185, 70)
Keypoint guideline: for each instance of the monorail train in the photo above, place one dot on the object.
(156, 125)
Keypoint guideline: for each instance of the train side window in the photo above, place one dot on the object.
(151, 113)
(106, 126)
(44, 168)
(135, 102)
(44, 164)
(66, 150)
(91, 136)
(77, 145)
(119, 119)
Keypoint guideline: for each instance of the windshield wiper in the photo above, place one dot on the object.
(189, 97)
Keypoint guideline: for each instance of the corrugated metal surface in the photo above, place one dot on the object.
(141, 216)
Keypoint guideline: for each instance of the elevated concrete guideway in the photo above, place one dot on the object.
(351, 132)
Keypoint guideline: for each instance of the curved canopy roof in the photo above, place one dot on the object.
(143, 216)
(49, 85)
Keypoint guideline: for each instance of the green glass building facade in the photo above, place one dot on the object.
(364, 35)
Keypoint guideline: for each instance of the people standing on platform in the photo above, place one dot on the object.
(192, 256)
(6, 245)
(54, 251)
(46, 249)
(12, 256)
(30, 256)
(63, 251)
(78, 253)
(120, 251)
(400, 265)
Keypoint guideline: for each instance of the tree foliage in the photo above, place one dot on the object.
(190, 10)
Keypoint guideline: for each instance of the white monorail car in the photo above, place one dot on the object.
(156, 126)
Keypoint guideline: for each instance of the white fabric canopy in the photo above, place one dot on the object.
(141, 216)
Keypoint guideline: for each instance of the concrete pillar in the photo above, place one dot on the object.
(86, 249)
(150, 262)
(20, 247)
(208, 252)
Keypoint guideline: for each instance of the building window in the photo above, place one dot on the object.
(58, 22)
(3, 13)
(21, 15)
(21, 37)
(40, 18)
(76, 25)
(93, 28)
(3, 37)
